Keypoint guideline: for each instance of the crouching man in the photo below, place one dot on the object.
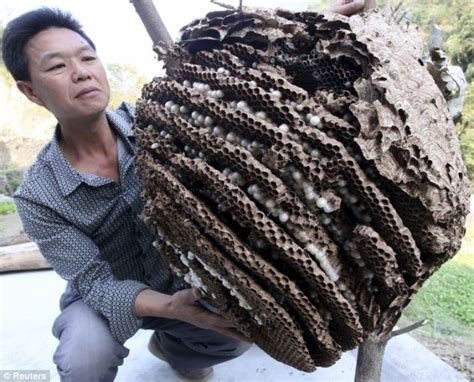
(80, 202)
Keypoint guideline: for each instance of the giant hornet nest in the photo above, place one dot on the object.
(303, 171)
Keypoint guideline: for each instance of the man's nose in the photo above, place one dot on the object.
(80, 72)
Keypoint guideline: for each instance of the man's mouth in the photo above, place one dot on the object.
(86, 91)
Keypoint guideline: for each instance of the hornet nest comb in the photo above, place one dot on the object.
(303, 171)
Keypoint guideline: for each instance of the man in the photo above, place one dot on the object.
(347, 7)
(80, 202)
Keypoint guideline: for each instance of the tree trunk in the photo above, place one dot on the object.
(369, 359)
(153, 23)
(22, 257)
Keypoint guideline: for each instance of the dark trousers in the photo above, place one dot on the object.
(88, 352)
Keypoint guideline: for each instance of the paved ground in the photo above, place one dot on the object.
(29, 304)
(10, 224)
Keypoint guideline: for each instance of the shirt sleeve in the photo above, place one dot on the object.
(76, 258)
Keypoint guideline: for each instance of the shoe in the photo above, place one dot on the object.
(196, 375)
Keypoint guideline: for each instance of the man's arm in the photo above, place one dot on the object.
(347, 7)
(76, 258)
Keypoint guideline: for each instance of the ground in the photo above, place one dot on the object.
(456, 351)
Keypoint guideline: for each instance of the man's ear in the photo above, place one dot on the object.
(27, 89)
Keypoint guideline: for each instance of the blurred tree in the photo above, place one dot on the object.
(3, 69)
(320, 5)
(456, 20)
(125, 84)
(19, 116)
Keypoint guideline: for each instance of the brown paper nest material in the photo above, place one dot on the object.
(303, 171)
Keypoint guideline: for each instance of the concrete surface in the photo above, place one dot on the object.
(10, 224)
(29, 303)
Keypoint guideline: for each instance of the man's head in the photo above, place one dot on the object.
(55, 64)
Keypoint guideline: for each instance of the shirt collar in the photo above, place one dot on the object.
(66, 175)
(122, 121)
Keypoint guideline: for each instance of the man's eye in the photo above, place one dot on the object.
(58, 66)
(89, 58)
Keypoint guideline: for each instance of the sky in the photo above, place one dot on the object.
(117, 31)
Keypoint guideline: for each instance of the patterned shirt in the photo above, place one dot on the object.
(89, 229)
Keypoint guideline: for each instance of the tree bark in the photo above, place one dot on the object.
(153, 23)
(370, 359)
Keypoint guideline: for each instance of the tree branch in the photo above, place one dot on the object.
(464, 126)
(400, 18)
(397, 8)
(408, 328)
(153, 23)
(224, 5)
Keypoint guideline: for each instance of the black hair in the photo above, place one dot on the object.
(23, 28)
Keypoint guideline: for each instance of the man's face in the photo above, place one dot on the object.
(67, 77)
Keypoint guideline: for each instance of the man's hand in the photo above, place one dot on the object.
(347, 7)
(183, 306)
